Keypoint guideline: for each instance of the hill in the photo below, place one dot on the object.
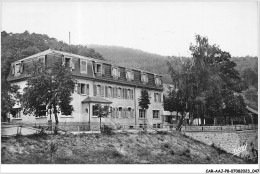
(156, 63)
(135, 58)
(119, 148)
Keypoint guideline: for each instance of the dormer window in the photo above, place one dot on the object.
(83, 66)
(158, 81)
(115, 72)
(17, 68)
(129, 75)
(98, 68)
(42, 60)
(144, 78)
(68, 62)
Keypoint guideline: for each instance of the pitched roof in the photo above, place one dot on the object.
(96, 100)
(251, 110)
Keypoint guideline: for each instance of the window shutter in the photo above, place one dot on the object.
(126, 93)
(118, 72)
(123, 93)
(132, 94)
(21, 67)
(116, 112)
(87, 89)
(78, 90)
(132, 113)
(102, 91)
(106, 91)
(103, 69)
(63, 60)
(159, 97)
(132, 75)
(13, 69)
(154, 97)
(72, 63)
(95, 67)
(112, 92)
(95, 89)
(123, 113)
(115, 92)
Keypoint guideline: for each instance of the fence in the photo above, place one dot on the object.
(220, 128)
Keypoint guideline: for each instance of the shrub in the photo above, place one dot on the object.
(162, 132)
(185, 152)
(166, 145)
(107, 130)
(172, 152)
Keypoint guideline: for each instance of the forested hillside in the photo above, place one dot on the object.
(247, 66)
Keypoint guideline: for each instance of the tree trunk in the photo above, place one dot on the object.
(215, 121)
(56, 120)
(180, 122)
(100, 123)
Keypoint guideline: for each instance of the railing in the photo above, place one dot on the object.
(220, 128)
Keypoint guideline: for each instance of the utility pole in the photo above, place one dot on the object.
(69, 38)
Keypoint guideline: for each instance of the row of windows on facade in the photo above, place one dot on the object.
(18, 68)
(114, 92)
(114, 112)
(154, 125)
(106, 91)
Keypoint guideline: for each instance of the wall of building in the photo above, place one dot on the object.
(80, 115)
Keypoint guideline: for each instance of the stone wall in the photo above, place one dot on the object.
(229, 141)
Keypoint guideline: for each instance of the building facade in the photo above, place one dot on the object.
(98, 81)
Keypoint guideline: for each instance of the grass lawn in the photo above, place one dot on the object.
(120, 148)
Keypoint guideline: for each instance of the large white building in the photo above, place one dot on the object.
(98, 81)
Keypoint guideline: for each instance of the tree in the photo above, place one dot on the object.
(101, 112)
(144, 101)
(48, 85)
(205, 79)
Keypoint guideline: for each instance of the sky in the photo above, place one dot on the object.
(165, 28)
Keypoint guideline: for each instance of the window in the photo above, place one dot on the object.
(83, 88)
(67, 111)
(42, 60)
(109, 91)
(120, 112)
(141, 113)
(141, 125)
(157, 97)
(158, 81)
(129, 75)
(115, 72)
(42, 111)
(158, 125)
(144, 78)
(99, 68)
(17, 68)
(119, 92)
(16, 113)
(98, 90)
(128, 112)
(128, 93)
(155, 113)
(83, 66)
(95, 111)
(154, 125)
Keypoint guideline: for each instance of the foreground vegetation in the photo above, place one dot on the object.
(124, 148)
